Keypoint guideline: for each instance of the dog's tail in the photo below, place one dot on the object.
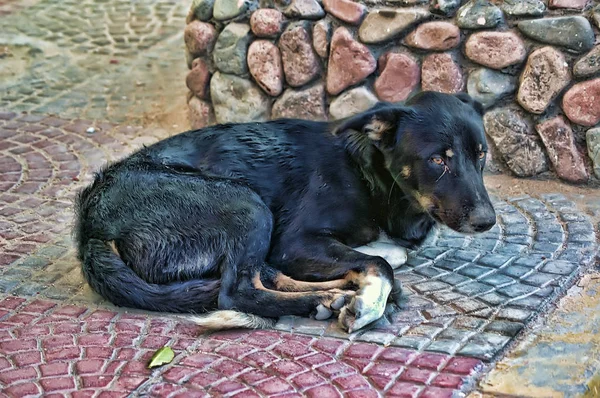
(109, 276)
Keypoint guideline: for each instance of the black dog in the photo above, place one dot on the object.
(225, 217)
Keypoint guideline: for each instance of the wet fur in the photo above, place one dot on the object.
(210, 219)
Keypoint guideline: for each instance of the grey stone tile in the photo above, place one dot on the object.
(424, 330)
(514, 314)
(414, 342)
(497, 280)
(453, 278)
(517, 290)
(511, 249)
(444, 346)
(446, 297)
(468, 305)
(468, 322)
(433, 253)
(530, 261)
(559, 267)
(449, 265)
(429, 271)
(430, 286)
(515, 271)
(455, 334)
(494, 260)
(473, 289)
(540, 279)
(474, 271)
(372, 336)
(504, 327)
(484, 345)
(493, 299)
(465, 255)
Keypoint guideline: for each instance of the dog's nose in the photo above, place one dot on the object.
(483, 218)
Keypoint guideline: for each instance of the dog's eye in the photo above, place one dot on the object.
(437, 160)
(481, 155)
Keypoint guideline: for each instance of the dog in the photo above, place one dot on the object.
(259, 220)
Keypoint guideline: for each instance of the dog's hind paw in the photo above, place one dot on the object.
(367, 306)
(336, 300)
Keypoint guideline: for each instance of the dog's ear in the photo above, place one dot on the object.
(467, 99)
(379, 123)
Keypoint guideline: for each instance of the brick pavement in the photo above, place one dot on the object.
(466, 297)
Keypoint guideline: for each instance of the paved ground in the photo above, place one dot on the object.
(97, 79)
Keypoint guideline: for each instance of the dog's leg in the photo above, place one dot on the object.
(249, 294)
(324, 258)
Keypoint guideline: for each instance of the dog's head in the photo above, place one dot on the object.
(434, 147)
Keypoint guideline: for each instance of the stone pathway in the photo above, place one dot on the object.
(98, 79)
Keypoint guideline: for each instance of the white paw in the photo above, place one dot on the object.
(368, 305)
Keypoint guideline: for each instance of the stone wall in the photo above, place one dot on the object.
(534, 64)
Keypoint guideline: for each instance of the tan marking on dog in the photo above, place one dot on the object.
(113, 247)
(449, 153)
(377, 128)
(425, 201)
(406, 171)
(285, 283)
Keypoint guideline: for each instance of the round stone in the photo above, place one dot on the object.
(573, 32)
(488, 86)
(199, 37)
(264, 63)
(266, 22)
(304, 9)
(228, 9)
(197, 78)
(521, 8)
(399, 76)
(516, 141)
(346, 10)
(444, 7)
(237, 100)
(545, 75)
(557, 137)
(349, 62)
(573, 4)
(202, 9)
(300, 63)
(437, 36)
(321, 31)
(199, 113)
(581, 103)
(589, 64)
(441, 73)
(479, 14)
(351, 103)
(308, 103)
(495, 50)
(593, 145)
(382, 25)
(231, 48)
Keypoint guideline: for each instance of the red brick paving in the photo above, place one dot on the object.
(48, 347)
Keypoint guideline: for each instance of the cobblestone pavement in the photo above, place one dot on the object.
(105, 60)
(98, 79)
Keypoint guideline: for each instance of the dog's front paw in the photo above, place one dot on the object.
(367, 306)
